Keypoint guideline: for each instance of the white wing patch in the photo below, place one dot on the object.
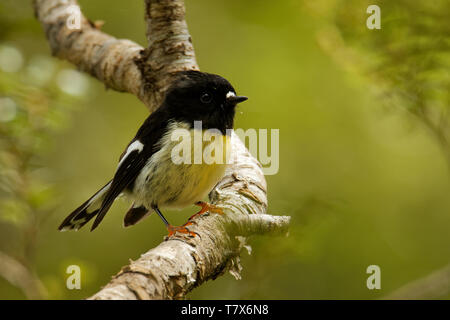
(136, 145)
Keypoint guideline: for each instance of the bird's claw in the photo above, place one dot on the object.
(181, 229)
(205, 208)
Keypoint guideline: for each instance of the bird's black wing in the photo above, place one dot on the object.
(132, 161)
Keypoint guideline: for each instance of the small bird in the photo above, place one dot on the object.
(146, 172)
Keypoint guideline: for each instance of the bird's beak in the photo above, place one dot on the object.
(236, 99)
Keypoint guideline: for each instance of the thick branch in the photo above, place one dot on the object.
(180, 264)
(169, 49)
(108, 59)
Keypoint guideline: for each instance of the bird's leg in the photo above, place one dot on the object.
(206, 207)
(174, 229)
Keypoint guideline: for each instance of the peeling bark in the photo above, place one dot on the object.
(169, 49)
(110, 60)
(180, 263)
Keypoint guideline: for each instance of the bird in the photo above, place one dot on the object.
(147, 173)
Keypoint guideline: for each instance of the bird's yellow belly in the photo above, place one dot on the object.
(166, 183)
(194, 182)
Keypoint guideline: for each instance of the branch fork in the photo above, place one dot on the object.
(181, 263)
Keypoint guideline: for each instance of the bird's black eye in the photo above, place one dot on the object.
(205, 98)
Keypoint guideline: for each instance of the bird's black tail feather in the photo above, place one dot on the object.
(88, 210)
(135, 214)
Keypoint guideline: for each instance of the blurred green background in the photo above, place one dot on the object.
(363, 146)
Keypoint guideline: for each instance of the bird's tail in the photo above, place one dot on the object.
(88, 210)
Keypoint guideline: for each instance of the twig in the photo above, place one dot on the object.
(19, 276)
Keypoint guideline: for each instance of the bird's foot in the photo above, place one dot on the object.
(206, 207)
(181, 229)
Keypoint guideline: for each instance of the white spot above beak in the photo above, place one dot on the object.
(230, 94)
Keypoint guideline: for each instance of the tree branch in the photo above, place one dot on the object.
(108, 59)
(169, 49)
(18, 275)
(179, 264)
(434, 286)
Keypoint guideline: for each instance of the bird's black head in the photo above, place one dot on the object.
(200, 96)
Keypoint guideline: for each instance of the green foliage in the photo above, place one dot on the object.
(33, 106)
(407, 60)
